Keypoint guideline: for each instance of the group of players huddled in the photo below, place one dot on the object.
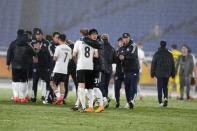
(88, 61)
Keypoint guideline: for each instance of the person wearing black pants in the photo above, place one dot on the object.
(162, 67)
(130, 64)
(119, 75)
(162, 84)
(72, 72)
(107, 58)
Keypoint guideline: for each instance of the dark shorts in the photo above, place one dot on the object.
(19, 75)
(86, 76)
(96, 78)
(58, 77)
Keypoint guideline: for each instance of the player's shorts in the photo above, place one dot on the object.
(58, 77)
(19, 75)
(96, 78)
(86, 76)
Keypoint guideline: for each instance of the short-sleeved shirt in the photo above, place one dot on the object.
(85, 54)
(64, 54)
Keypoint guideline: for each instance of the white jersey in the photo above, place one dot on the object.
(141, 57)
(63, 53)
(85, 54)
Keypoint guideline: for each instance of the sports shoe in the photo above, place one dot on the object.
(126, 106)
(16, 99)
(24, 101)
(75, 108)
(28, 98)
(165, 103)
(100, 109)
(90, 109)
(160, 104)
(131, 105)
(59, 100)
(117, 105)
(33, 100)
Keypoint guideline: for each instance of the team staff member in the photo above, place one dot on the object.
(119, 75)
(130, 64)
(162, 67)
(41, 64)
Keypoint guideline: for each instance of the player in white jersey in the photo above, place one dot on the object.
(83, 55)
(62, 56)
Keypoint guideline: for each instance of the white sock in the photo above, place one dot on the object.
(81, 95)
(99, 96)
(77, 102)
(30, 84)
(43, 87)
(57, 93)
(22, 90)
(105, 99)
(15, 89)
(91, 97)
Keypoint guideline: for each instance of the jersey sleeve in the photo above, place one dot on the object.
(76, 46)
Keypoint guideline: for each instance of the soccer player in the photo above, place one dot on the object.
(141, 57)
(83, 55)
(62, 56)
(10, 56)
(20, 57)
(176, 81)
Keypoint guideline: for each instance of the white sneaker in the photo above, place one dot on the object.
(126, 105)
(161, 105)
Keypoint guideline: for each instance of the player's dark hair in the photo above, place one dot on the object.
(62, 37)
(92, 31)
(55, 33)
(163, 43)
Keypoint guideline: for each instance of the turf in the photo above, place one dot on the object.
(180, 116)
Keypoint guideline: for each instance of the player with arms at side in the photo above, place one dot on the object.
(62, 56)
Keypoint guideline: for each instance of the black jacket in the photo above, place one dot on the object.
(22, 54)
(119, 69)
(51, 48)
(71, 65)
(130, 62)
(162, 64)
(107, 55)
(43, 56)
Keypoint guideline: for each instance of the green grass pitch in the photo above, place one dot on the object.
(147, 116)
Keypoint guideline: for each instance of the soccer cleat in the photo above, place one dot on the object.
(117, 105)
(28, 98)
(100, 109)
(16, 99)
(165, 104)
(24, 101)
(131, 105)
(89, 110)
(42, 98)
(75, 108)
(33, 100)
(126, 105)
(59, 101)
(160, 104)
